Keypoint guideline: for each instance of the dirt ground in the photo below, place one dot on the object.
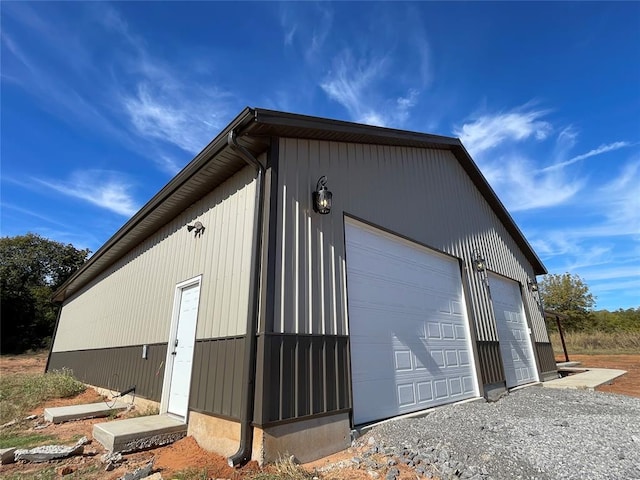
(628, 384)
(186, 454)
(179, 456)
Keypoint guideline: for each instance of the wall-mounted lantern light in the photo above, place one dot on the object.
(198, 227)
(322, 197)
(533, 288)
(479, 263)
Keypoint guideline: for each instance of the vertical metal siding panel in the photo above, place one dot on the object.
(132, 302)
(428, 198)
(318, 378)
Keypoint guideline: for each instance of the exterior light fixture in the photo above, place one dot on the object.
(198, 227)
(479, 263)
(533, 286)
(322, 197)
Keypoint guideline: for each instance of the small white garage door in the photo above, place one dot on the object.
(410, 342)
(513, 332)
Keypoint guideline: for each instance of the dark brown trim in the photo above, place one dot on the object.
(216, 415)
(491, 367)
(302, 375)
(217, 378)
(117, 368)
(547, 358)
(271, 224)
(304, 418)
(53, 337)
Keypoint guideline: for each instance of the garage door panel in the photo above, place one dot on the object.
(513, 333)
(408, 326)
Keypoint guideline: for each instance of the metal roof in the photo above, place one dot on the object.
(217, 162)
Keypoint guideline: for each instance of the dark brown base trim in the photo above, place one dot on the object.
(490, 366)
(216, 381)
(300, 376)
(302, 419)
(118, 368)
(546, 357)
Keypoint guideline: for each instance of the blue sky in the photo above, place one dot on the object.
(102, 103)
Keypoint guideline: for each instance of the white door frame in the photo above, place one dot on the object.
(173, 333)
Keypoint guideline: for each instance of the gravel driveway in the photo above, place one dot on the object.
(533, 433)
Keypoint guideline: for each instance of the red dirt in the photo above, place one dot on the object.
(628, 384)
(187, 454)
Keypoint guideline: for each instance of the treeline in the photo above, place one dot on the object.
(619, 321)
(32, 268)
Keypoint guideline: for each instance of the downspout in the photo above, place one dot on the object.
(243, 455)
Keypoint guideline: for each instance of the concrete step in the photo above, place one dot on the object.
(567, 364)
(585, 378)
(139, 433)
(79, 412)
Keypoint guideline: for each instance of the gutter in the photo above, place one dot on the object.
(243, 455)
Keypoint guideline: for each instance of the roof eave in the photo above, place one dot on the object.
(209, 152)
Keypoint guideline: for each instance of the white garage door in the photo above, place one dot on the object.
(410, 342)
(513, 332)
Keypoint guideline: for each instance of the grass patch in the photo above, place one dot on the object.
(191, 474)
(46, 472)
(28, 440)
(21, 393)
(285, 469)
(597, 343)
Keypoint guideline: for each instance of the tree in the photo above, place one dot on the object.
(32, 268)
(570, 295)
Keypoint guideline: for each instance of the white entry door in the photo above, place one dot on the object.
(181, 347)
(408, 328)
(513, 332)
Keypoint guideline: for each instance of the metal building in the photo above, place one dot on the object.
(269, 325)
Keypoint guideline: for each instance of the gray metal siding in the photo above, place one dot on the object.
(423, 194)
(131, 302)
(117, 368)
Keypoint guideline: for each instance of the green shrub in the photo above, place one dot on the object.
(21, 393)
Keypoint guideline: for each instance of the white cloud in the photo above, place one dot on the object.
(354, 84)
(167, 113)
(348, 84)
(103, 188)
(306, 26)
(490, 131)
(521, 188)
(24, 211)
(591, 153)
(129, 95)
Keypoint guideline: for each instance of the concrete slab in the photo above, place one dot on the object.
(79, 412)
(139, 433)
(567, 364)
(589, 379)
